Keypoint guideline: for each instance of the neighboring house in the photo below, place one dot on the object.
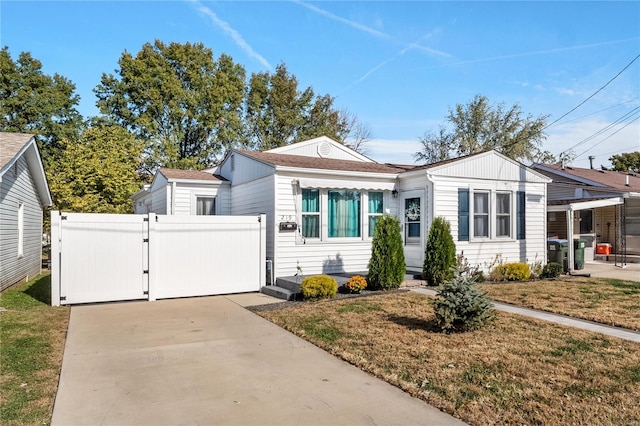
(322, 201)
(596, 206)
(23, 195)
(183, 192)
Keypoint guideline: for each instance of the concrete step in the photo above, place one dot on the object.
(279, 292)
(290, 283)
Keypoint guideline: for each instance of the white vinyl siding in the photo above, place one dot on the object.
(315, 256)
(13, 191)
(483, 252)
(253, 198)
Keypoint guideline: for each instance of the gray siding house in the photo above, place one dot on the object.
(23, 195)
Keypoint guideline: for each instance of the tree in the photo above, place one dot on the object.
(33, 102)
(279, 114)
(626, 162)
(358, 133)
(386, 266)
(97, 173)
(435, 147)
(479, 126)
(183, 104)
(439, 253)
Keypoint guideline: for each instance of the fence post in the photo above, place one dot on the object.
(152, 257)
(55, 258)
(263, 250)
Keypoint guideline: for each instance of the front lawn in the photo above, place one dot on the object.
(603, 300)
(517, 370)
(32, 337)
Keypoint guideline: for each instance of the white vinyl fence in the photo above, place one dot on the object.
(109, 257)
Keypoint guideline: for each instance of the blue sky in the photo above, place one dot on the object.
(399, 66)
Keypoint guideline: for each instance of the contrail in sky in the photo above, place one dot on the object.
(235, 35)
(537, 52)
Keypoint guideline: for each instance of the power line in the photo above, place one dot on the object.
(629, 123)
(630, 148)
(595, 93)
(604, 129)
(599, 111)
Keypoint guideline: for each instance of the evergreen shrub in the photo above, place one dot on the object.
(551, 270)
(386, 266)
(516, 271)
(460, 306)
(319, 287)
(439, 253)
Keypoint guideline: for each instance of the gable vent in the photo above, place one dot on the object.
(324, 149)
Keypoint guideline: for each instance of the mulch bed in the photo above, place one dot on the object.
(339, 296)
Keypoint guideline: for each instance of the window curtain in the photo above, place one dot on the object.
(503, 215)
(375, 207)
(310, 222)
(344, 214)
(206, 206)
(481, 215)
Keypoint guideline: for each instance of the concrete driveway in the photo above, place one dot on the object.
(208, 360)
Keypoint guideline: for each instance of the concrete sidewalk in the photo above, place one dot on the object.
(210, 361)
(621, 333)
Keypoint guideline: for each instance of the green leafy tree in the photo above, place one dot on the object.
(34, 102)
(184, 105)
(386, 266)
(439, 253)
(278, 113)
(435, 147)
(97, 173)
(626, 162)
(479, 126)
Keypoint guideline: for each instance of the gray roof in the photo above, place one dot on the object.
(11, 144)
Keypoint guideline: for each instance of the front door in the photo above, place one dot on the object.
(584, 223)
(413, 209)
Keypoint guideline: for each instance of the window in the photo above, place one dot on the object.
(205, 205)
(311, 213)
(343, 213)
(20, 229)
(376, 210)
(412, 220)
(481, 215)
(586, 221)
(503, 214)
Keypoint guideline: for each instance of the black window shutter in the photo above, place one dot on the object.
(520, 215)
(463, 214)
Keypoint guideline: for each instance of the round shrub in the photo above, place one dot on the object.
(356, 284)
(551, 270)
(439, 253)
(516, 271)
(319, 287)
(386, 266)
(460, 306)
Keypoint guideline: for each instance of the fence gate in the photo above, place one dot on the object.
(109, 257)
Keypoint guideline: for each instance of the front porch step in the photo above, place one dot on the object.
(279, 292)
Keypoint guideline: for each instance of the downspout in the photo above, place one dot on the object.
(173, 198)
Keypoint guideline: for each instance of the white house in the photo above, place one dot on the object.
(322, 200)
(24, 193)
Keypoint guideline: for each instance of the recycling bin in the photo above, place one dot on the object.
(557, 252)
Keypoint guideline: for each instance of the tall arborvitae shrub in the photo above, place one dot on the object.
(386, 266)
(460, 306)
(439, 253)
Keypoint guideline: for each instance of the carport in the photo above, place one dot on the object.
(570, 208)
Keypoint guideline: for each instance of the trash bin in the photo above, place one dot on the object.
(578, 254)
(557, 252)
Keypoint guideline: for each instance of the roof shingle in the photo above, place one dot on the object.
(190, 175)
(11, 144)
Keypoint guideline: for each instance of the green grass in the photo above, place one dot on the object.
(32, 336)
